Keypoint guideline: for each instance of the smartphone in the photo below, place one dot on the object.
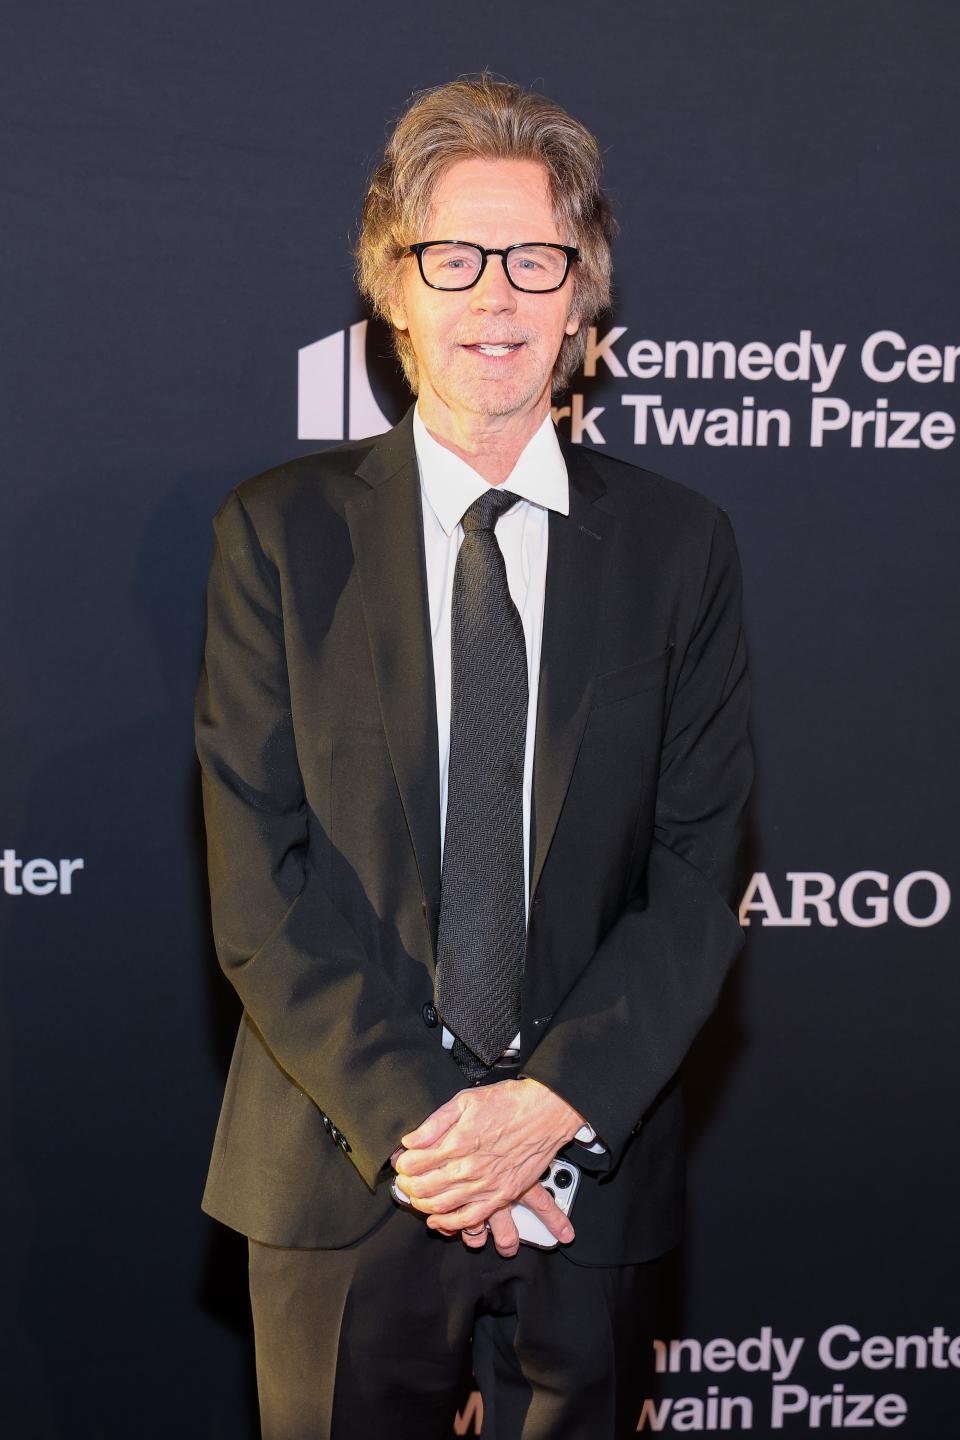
(561, 1179)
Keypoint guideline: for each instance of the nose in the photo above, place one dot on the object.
(493, 292)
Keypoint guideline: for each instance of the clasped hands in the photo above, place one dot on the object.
(481, 1152)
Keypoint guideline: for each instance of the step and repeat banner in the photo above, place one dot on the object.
(181, 186)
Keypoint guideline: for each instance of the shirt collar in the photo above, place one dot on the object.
(451, 485)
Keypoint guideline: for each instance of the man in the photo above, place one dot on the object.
(472, 726)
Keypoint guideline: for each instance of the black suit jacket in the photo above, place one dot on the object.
(317, 736)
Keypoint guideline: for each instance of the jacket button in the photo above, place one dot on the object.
(344, 1144)
(430, 1016)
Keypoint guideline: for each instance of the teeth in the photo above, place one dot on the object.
(496, 349)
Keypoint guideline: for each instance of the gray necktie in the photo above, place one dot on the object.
(482, 925)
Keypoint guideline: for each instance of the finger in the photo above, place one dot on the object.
(542, 1203)
(436, 1185)
(467, 1217)
(468, 1175)
(396, 1156)
(506, 1237)
(424, 1163)
(475, 1242)
(455, 1199)
(435, 1125)
(457, 1143)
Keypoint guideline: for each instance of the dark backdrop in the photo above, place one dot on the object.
(180, 187)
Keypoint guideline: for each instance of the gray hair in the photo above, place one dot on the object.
(483, 118)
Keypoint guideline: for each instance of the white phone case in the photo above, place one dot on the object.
(562, 1179)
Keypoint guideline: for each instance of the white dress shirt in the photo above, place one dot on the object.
(448, 487)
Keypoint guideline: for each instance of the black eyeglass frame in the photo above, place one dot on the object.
(570, 251)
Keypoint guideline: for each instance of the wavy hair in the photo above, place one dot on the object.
(478, 117)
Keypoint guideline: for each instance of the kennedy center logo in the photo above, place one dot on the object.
(335, 399)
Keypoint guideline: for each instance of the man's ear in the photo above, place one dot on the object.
(396, 309)
(573, 323)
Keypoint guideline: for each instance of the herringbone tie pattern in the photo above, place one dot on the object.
(482, 925)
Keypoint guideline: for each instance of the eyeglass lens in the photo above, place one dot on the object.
(454, 267)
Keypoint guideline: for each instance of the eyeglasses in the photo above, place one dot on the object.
(458, 264)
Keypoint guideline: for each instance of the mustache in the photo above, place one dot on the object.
(517, 338)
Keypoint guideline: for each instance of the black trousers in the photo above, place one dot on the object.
(378, 1339)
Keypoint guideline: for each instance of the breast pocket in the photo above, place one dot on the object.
(645, 674)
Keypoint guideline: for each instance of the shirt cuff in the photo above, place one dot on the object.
(585, 1135)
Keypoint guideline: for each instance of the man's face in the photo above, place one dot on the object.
(493, 203)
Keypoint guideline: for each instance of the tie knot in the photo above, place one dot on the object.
(484, 513)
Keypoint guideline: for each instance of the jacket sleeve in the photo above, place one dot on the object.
(621, 1032)
(330, 1017)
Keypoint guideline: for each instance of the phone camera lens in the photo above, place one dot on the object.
(562, 1179)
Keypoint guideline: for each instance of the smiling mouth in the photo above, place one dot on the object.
(501, 348)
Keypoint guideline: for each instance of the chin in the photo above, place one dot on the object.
(504, 406)
(500, 399)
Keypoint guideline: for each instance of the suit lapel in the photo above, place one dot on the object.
(578, 550)
(386, 530)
